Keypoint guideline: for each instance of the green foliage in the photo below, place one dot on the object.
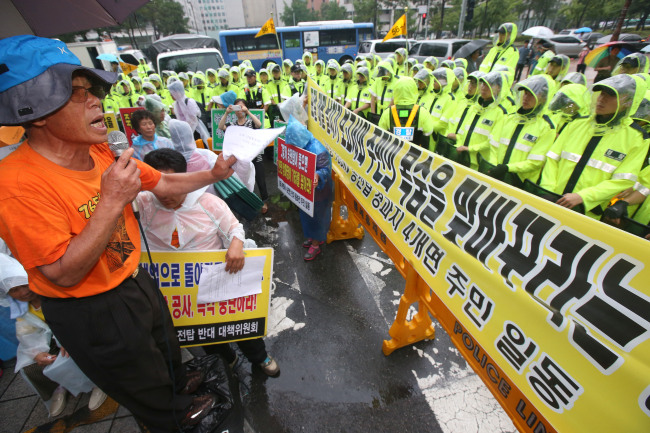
(166, 17)
(332, 11)
(365, 11)
(299, 11)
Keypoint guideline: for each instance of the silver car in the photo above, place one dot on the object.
(383, 49)
(443, 49)
(567, 45)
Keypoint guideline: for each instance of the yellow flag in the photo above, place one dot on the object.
(399, 28)
(127, 68)
(267, 28)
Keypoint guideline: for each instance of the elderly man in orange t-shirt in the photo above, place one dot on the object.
(65, 214)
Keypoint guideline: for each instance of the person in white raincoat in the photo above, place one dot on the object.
(38, 352)
(187, 110)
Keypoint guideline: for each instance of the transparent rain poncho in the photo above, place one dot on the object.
(571, 100)
(575, 77)
(423, 76)
(510, 30)
(494, 81)
(187, 110)
(632, 64)
(183, 139)
(539, 86)
(432, 62)
(297, 134)
(629, 91)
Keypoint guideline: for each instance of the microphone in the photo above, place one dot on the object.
(118, 143)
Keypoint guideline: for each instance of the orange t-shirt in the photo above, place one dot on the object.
(43, 206)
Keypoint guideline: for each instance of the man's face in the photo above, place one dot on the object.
(277, 74)
(332, 73)
(471, 87)
(502, 38)
(149, 91)
(399, 58)
(264, 78)
(224, 82)
(421, 85)
(77, 122)
(485, 92)
(251, 80)
(170, 201)
(319, 68)
(212, 78)
(235, 77)
(527, 100)
(361, 78)
(296, 75)
(606, 104)
(553, 69)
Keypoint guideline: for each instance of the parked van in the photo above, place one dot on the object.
(383, 49)
(443, 49)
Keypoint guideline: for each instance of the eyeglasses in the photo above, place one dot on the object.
(80, 93)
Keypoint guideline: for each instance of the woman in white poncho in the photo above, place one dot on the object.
(187, 110)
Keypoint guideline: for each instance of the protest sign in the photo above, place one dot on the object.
(296, 175)
(110, 120)
(551, 308)
(277, 124)
(179, 274)
(218, 134)
(129, 131)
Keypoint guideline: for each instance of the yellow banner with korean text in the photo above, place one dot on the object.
(551, 308)
(178, 275)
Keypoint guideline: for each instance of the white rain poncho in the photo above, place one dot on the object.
(186, 109)
(183, 140)
(12, 275)
(203, 222)
(34, 335)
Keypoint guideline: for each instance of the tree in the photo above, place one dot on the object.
(332, 11)
(365, 11)
(297, 12)
(165, 16)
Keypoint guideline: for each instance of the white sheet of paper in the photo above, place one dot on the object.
(246, 143)
(218, 285)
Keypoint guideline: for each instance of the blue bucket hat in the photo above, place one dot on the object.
(36, 77)
(227, 98)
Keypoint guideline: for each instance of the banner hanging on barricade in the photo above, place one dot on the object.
(242, 318)
(551, 308)
(129, 130)
(296, 175)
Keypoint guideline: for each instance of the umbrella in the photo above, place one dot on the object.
(108, 57)
(583, 30)
(539, 32)
(467, 49)
(630, 37)
(51, 18)
(602, 51)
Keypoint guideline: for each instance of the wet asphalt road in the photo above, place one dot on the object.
(328, 320)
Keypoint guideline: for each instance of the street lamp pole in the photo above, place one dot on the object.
(461, 22)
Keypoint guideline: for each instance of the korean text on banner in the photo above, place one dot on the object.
(296, 175)
(554, 306)
(125, 114)
(242, 318)
(110, 120)
(217, 134)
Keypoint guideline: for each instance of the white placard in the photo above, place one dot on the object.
(217, 285)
